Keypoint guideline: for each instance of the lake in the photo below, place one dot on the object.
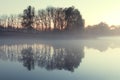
(26, 59)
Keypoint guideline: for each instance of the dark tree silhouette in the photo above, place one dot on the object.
(74, 19)
(51, 19)
(28, 17)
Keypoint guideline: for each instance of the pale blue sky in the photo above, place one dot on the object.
(93, 11)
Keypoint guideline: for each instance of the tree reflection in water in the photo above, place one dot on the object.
(45, 56)
(27, 58)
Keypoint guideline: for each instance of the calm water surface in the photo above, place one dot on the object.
(97, 59)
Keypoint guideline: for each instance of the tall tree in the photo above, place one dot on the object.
(74, 19)
(28, 17)
(68, 17)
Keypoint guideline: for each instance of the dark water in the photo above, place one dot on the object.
(60, 59)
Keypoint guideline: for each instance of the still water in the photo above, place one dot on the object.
(97, 59)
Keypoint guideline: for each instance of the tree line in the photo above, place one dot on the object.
(49, 19)
(54, 19)
(102, 29)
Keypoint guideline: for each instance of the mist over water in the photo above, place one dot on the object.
(93, 59)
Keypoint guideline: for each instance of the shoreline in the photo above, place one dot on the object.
(44, 36)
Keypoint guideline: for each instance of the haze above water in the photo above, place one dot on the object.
(26, 59)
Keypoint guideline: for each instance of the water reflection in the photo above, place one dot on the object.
(27, 58)
(102, 45)
(49, 57)
(54, 55)
(31, 60)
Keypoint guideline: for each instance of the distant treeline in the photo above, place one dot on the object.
(102, 29)
(51, 19)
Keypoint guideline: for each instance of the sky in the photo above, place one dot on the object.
(93, 11)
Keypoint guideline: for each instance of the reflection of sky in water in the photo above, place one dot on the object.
(90, 59)
(103, 65)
